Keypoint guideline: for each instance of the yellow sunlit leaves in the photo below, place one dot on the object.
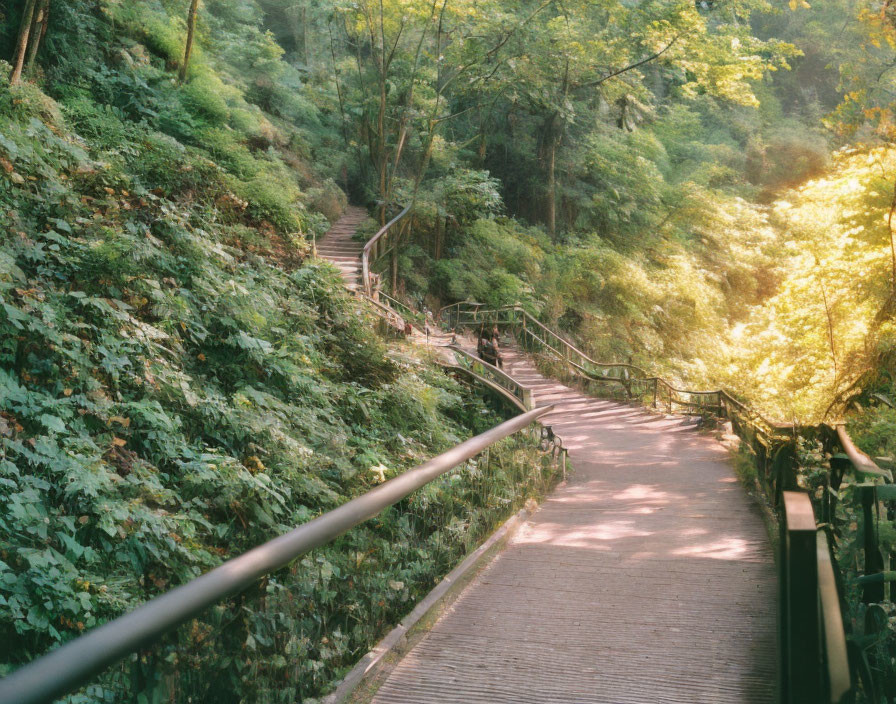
(838, 247)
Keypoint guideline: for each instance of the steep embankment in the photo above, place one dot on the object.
(178, 383)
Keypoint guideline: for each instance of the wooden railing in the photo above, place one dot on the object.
(406, 311)
(815, 662)
(537, 336)
(391, 317)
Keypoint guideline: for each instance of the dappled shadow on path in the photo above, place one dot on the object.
(647, 577)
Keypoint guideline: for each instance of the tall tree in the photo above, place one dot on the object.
(585, 60)
(18, 61)
(191, 30)
(38, 31)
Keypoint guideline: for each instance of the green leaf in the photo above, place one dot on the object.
(53, 423)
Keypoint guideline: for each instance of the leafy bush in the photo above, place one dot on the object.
(328, 199)
(206, 95)
(270, 201)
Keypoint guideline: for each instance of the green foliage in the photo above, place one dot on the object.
(178, 386)
(873, 638)
(205, 95)
(495, 264)
(634, 173)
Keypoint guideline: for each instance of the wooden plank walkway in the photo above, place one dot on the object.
(647, 578)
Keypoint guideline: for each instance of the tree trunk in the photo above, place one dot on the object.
(298, 25)
(38, 30)
(551, 214)
(437, 254)
(550, 139)
(382, 158)
(304, 50)
(191, 29)
(483, 146)
(22, 43)
(394, 267)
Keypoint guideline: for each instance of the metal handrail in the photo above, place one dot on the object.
(390, 315)
(556, 336)
(488, 383)
(498, 376)
(76, 662)
(372, 249)
(403, 308)
(724, 396)
(860, 461)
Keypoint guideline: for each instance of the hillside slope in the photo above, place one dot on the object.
(179, 382)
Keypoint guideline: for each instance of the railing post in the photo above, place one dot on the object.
(527, 399)
(872, 593)
(801, 674)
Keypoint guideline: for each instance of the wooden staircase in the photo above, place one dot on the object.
(340, 249)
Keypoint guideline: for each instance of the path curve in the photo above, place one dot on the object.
(648, 578)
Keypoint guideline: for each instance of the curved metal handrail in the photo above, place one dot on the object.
(387, 313)
(638, 373)
(551, 333)
(498, 377)
(373, 250)
(76, 662)
(488, 383)
(403, 308)
(862, 462)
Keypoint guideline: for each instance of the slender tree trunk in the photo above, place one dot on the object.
(38, 31)
(191, 30)
(552, 190)
(550, 139)
(892, 242)
(394, 267)
(830, 321)
(437, 254)
(382, 159)
(342, 114)
(22, 42)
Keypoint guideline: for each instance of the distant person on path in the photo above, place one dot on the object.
(488, 348)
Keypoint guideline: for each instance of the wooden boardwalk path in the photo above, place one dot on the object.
(647, 578)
